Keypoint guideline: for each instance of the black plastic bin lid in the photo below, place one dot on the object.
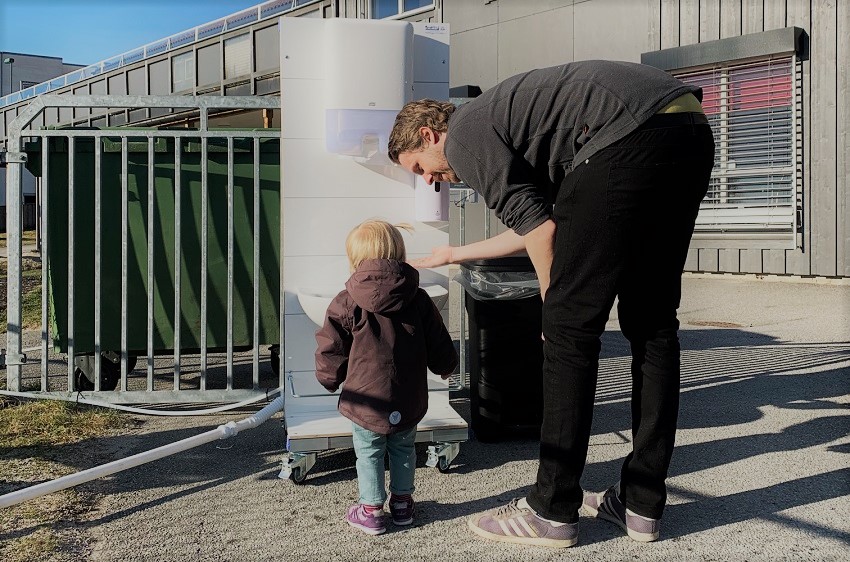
(512, 263)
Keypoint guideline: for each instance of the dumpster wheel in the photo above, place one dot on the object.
(110, 370)
(274, 359)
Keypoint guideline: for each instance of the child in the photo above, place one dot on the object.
(380, 335)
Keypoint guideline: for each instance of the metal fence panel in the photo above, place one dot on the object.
(156, 244)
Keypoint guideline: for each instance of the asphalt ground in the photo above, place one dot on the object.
(761, 470)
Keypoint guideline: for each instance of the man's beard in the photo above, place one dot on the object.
(447, 174)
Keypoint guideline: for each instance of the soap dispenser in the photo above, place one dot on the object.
(432, 201)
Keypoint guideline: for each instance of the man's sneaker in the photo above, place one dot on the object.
(401, 509)
(518, 523)
(370, 521)
(607, 505)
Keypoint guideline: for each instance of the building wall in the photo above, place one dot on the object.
(31, 69)
(217, 66)
(495, 40)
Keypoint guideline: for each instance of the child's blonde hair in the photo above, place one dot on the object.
(375, 239)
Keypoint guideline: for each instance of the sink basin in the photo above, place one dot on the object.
(438, 294)
(315, 301)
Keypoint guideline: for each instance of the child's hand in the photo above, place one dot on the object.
(445, 377)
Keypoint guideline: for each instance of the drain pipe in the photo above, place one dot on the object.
(221, 432)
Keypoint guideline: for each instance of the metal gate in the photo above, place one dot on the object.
(217, 263)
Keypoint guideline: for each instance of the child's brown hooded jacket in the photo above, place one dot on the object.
(380, 335)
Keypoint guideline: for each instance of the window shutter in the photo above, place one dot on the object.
(751, 108)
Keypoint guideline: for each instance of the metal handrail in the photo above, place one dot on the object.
(237, 20)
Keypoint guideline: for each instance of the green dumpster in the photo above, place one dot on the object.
(164, 265)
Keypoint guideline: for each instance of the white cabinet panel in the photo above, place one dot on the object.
(304, 111)
(310, 171)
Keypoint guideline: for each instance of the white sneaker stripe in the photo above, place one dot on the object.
(528, 528)
(516, 528)
(507, 532)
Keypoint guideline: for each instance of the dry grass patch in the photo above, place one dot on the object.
(31, 293)
(40, 545)
(27, 264)
(27, 237)
(45, 423)
(32, 436)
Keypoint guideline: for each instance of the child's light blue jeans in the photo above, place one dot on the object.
(370, 448)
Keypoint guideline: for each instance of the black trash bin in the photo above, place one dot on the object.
(505, 347)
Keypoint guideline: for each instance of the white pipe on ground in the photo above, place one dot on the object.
(221, 432)
(80, 398)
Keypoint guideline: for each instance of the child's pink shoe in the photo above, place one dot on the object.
(369, 519)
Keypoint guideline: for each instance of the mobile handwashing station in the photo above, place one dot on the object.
(342, 83)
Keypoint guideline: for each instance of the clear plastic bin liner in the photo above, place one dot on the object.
(498, 285)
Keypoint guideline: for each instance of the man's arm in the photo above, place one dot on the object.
(540, 245)
(504, 244)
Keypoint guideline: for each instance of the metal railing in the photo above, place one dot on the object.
(240, 19)
(164, 390)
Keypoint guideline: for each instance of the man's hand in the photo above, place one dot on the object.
(540, 245)
(441, 255)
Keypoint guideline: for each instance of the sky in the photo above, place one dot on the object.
(89, 31)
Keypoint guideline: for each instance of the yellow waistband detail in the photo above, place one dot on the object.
(687, 103)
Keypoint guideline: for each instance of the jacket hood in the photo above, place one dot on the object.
(383, 286)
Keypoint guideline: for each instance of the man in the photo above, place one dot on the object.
(625, 153)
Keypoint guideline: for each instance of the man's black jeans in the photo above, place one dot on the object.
(624, 223)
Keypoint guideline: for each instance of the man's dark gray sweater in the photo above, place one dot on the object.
(516, 142)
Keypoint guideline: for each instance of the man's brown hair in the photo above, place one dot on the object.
(405, 135)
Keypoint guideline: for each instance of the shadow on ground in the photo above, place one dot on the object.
(728, 377)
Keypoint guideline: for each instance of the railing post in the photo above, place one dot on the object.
(15, 159)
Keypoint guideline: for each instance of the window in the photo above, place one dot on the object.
(267, 49)
(388, 8)
(237, 56)
(752, 110)
(208, 65)
(183, 72)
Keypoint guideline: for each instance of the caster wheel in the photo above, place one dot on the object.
(298, 476)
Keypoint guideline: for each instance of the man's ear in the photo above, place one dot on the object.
(428, 135)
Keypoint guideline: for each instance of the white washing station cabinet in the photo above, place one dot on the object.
(342, 83)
